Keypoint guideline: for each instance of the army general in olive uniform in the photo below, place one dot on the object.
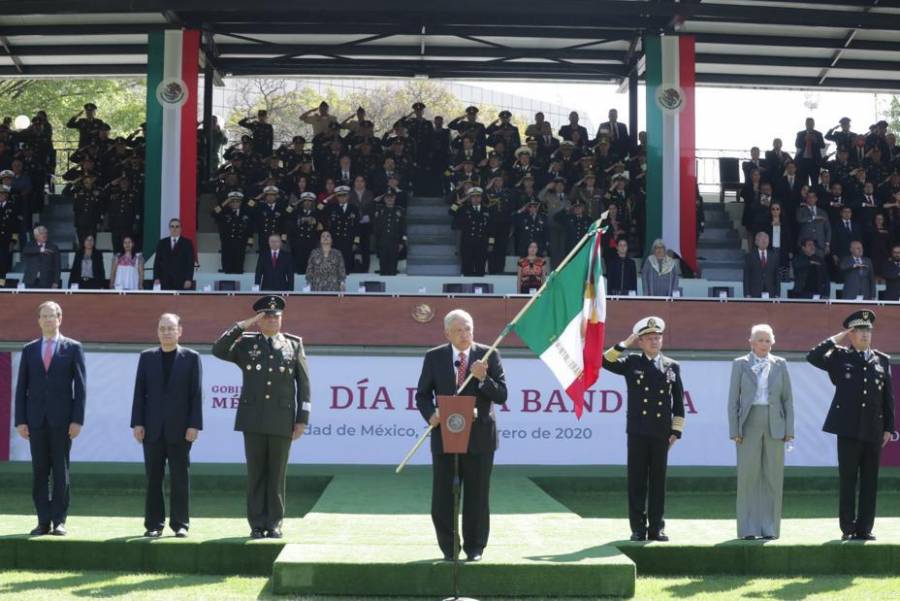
(861, 415)
(655, 420)
(274, 407)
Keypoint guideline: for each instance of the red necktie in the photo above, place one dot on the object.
(274, 259)
(762, 259)
(461, 370)
(48, 354)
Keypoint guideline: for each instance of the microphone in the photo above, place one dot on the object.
(456, 364)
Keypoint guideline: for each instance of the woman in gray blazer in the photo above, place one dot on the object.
(760, 422)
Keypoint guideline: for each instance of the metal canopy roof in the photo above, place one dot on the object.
(824, 44)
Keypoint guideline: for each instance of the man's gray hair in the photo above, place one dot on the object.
(39, 230)
(658, 242)
(173, 316)
(762, 328)
(457, 314)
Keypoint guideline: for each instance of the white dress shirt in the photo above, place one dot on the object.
(761, 368)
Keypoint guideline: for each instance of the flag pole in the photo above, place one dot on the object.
(591, 231)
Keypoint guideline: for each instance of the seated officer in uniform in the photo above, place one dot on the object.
(655, 420)
(274, 407)
(861, 415)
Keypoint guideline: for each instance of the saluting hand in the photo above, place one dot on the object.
(841, 336)
(630, 340)
(249, 322)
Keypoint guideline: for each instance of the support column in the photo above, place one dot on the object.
(633, 106)
(672, 172)
(170, 188)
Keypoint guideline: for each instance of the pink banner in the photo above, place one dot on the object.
(890, 455)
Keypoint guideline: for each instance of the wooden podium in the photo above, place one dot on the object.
(457, 413)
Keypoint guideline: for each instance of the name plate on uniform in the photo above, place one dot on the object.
(457, 413)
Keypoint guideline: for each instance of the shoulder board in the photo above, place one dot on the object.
(293, 337)
(883, 355)
(249, 334)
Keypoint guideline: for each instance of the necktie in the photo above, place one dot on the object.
(461, 370)
(791, 181)
(762, 259)
(173, 243)
(813, 209)
(847, 225)
(274, 262)
(612, 131)
(48, 354)
(269, 341)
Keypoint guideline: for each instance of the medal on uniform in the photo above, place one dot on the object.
(249, 367)
(281, 369)
(258, 367)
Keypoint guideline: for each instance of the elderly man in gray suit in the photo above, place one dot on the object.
(760, 421)
(859, 276)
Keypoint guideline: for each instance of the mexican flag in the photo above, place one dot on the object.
(564, 324)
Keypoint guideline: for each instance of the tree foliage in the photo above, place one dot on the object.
(120, 102)
(384, 104)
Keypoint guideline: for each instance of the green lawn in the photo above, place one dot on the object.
(681, 505)
(79, 585)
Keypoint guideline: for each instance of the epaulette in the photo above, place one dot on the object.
(882, 355)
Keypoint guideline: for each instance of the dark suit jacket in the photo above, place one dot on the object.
(174, 267)
(858, 280)
(818, 144)
(168, 410)
(56, 396)
(892, 280)
(841, 238)
(758, 280)
(439, 378)
(41, 268)
(97, 265)
(278, 277)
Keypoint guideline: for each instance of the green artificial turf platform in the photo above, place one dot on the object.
(355, 531)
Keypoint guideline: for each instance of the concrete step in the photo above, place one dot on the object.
(427, 201)
(432, 250)
(735, 265)
(717, 220)
(414, 212)
(428, 269)
(717, 244)
(723, 275)
(430, 230)
(720, 234)
(722, 254)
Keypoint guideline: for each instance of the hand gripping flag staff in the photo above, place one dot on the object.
(563, 323)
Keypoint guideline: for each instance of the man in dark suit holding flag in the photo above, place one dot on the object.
(50, 400)
(444, 370)
(166, 418)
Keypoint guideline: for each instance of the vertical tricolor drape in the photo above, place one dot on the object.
(671, 164)
(170, 189)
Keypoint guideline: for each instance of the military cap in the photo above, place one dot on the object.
(567, 144)
(649, 325)
(505, 114)
(471, 110)
(531, 140)
(389, 194)
(262, 113)
(308, 196)
(90, 106)
(270, 305)
(559, 178)
(6, 173)
(271, 190)
(881, 123)
(418, 106)
(844, 120)
(4, 189)
(299, 140)
(620, 176)
(578, 204)
(341, 190)
(534, 201)
(235, 195)
(475, 191)
(494, 155)
(522, 150)
(860, 319)
(323, 104)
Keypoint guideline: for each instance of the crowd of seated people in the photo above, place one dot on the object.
(824, 214)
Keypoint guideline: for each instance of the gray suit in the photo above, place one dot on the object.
(760, 456)
(815, 228)
(858, 280)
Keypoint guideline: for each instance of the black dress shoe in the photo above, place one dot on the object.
(770, 537)
(659, 537)
(41, 530)
(749, 537)
(864, 536)
(476, 556)
(257, 533)
(275, 533)
(153, 533)
(59, 529)
(846, 536)
(181, 533)
(448, 557)
(638, 536)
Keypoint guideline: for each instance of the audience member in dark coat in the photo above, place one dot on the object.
(173, 263)
(621, 271)
(761, 269)
(96, 278)
(810, 273)
(275, 267)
